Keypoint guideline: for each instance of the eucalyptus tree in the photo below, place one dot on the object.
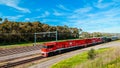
(0, 19)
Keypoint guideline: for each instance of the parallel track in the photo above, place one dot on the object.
(12, 51)
(13, 64)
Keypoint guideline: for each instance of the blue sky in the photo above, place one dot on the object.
(90, 15)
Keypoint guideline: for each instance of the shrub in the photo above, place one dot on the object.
(91, 54)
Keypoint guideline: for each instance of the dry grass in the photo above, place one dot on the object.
(118, 40)
(76, 60)
(108, 59)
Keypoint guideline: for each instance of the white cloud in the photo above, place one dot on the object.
(56, 13)
(99, 1)
(102, 4)
(83, 10)
(62, 7)
(45, 14)
(27, 19)
(114, 29)
(13, 17)
(80, 12)
(103, 21)
(14, 4)
(49, 20)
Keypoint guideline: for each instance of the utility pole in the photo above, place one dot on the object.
(34, 38)
(56, 36)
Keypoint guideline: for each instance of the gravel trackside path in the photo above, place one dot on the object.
(48, 63)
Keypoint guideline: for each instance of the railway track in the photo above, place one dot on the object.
(12, 51)
(17, 63)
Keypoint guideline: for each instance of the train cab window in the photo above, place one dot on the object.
(50, 46)
(44, 46)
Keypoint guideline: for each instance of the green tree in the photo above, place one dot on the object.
(97, 34)
(0, 19)
(13, 32)
(5, 20)
(85, 35)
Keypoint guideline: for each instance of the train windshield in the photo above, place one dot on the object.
(50, 46)
(44, 46)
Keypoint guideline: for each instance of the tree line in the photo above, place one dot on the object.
(17, 32)
(95, 34)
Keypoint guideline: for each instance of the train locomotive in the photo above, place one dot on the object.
(53, 48)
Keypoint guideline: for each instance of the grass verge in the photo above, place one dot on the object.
(76, 60)
(108, 59)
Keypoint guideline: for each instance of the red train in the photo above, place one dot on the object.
(52, 48)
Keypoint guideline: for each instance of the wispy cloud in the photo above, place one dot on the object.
(56, 13)
(45, 14)
(80, 12)
(14, 4)
(99, 1)
(62, 7)
(107, 30)
(27, 19)
(92, 16)
(102, 4)
(83, 10)
(98, 21)
(13, 17)
(49, 20)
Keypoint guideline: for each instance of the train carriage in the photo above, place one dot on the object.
(89, 41)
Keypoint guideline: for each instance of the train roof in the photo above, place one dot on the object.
(49, 43)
